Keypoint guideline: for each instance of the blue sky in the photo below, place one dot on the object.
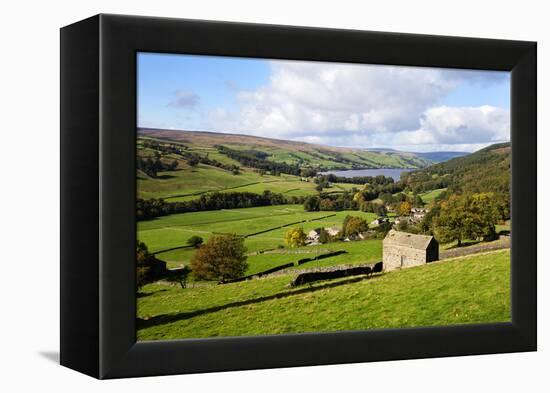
(214, 79)
(408, 108)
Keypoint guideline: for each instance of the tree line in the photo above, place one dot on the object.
(151, 208)
(193, 159)
(372, 180)
(151, 167)
(252, 160)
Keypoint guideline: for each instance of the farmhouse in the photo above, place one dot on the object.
(418, 213)
(333, 231)
(401, 249)
(314, 234)
(379, 221)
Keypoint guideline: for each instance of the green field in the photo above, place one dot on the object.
(188, 183)
(429, 196)
(473, 289)
(174, 230)
(358, 252)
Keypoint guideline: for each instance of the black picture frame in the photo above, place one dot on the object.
(98, 182)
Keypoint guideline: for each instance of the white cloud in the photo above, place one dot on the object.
(358, 105)
(461, 125)
(442, 128)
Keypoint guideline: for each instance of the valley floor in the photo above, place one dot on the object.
(264, 248)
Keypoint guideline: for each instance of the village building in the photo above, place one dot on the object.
(333, 231)
(418, 213)
(313, 235)
(379, 221)
(404, 219)
(402, 249)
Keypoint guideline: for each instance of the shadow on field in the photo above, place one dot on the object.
(464, 244)
(170, 318)
(166, 177)
(142, 294)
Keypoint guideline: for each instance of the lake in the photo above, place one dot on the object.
(394, 173)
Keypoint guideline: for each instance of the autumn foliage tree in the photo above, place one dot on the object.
(353, 226)
(324, 236)
(295, 237)
(327, 205)
(221, 258)
(404, 208)
(467, 216)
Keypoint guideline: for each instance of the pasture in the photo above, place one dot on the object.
(474, 289)
(429, 196)
(187, 183)
(173, 231)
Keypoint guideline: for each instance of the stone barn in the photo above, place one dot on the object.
(401, 249)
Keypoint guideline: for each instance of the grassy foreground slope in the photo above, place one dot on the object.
(472, 289)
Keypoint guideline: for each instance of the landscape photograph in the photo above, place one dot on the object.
(286, 197)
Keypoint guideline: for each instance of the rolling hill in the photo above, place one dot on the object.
(433, 156)
(487, 170)
(293, 152)
(441, 156)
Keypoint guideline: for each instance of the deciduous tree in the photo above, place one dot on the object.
(180, 277)
(404, 208)
(353, 226)
(295, 237)
(221, 258)
(467, 216)
(147, 266)
(312, 203)
(327, 205)
(195, 241)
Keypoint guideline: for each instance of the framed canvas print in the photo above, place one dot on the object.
(240, 196)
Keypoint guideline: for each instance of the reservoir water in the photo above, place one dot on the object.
(389, 172)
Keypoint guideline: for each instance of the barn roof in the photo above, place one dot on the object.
(420, 242)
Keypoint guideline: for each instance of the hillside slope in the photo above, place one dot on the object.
(487, 170)
(292, 152)
(441, 156)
